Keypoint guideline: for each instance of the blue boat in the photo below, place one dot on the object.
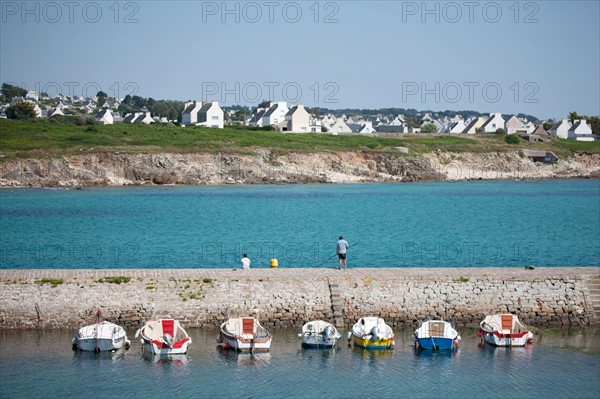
(436, 335)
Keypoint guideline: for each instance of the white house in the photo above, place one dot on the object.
(339, 127)
(138, 117)
(275, 114)
(366, 127)
(581, 131)
(493, 123)
(211, 115)
(530, 127)
(105, 117)
(144, 118)
(203, 114)
(33, 95)
(55, 112)
(256, 119)
(474, 124)
(513, 125)
(457, 127)
(190, 112)
(130, 118)
(561, 129)
(315, 125)
(328, 120)
(398, 121)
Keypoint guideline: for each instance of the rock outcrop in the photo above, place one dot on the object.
(266, 166)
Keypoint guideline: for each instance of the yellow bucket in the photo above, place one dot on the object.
(274, 262)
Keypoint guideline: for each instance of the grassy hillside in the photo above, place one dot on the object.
(44, 138)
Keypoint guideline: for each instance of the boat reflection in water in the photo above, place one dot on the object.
(178, 359)
(244, 359)
(371, 354)
(112, 356)
(435, 354)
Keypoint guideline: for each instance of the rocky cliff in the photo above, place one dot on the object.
(265, 166)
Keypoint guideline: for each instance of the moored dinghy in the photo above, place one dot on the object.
(319, 334)
(244, 334)
(372, 333)
(101, 336)
(164, 337)
(436, 335)
(504, 330)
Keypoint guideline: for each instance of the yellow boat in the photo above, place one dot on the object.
(372, 333)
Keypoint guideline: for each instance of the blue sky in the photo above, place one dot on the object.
(535, 57)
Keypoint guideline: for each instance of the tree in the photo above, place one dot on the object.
(594, 122)
(21, 110)
(101, 98)
(500, 132)
(264, 104)
(429, 128)
(10, 91)
(573, 116)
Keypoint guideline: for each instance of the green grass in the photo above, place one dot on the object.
(46, 139)
(114, 280)
(54, 282)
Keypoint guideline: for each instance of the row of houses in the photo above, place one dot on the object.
(297, 119)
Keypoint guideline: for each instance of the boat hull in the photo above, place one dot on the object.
(95, 345)
(372, 333)
(384, 343)
(318, 342)
(436, 335)
(157, 348)
(246, 344)
(102, 336)
(504, 330)
(435, 343)
(498, 339)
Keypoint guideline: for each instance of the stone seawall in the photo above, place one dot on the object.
(51, 299)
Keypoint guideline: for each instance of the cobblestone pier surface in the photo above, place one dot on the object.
(204, 298)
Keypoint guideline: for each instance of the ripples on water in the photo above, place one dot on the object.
(560, 364)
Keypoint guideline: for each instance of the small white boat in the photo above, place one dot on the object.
(436, 335)
(319, 334)
(372, 333)
(164, 337)
(101, 336)
(504, 330)
(244, 334)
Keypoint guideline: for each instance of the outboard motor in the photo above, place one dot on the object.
(328, 332)
(168, 339)
(374, 334)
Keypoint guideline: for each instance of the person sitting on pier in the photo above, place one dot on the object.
(245, 262)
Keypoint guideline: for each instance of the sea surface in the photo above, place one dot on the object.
(559, 364)
(439, 224)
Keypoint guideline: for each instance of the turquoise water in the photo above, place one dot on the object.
(483, 223)
(559, 364)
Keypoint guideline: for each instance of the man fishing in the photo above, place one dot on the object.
(340, 249)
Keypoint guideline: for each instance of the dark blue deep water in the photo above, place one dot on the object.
(559, 364)
(484, 223)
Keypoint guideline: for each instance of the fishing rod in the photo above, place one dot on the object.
(334, 255)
